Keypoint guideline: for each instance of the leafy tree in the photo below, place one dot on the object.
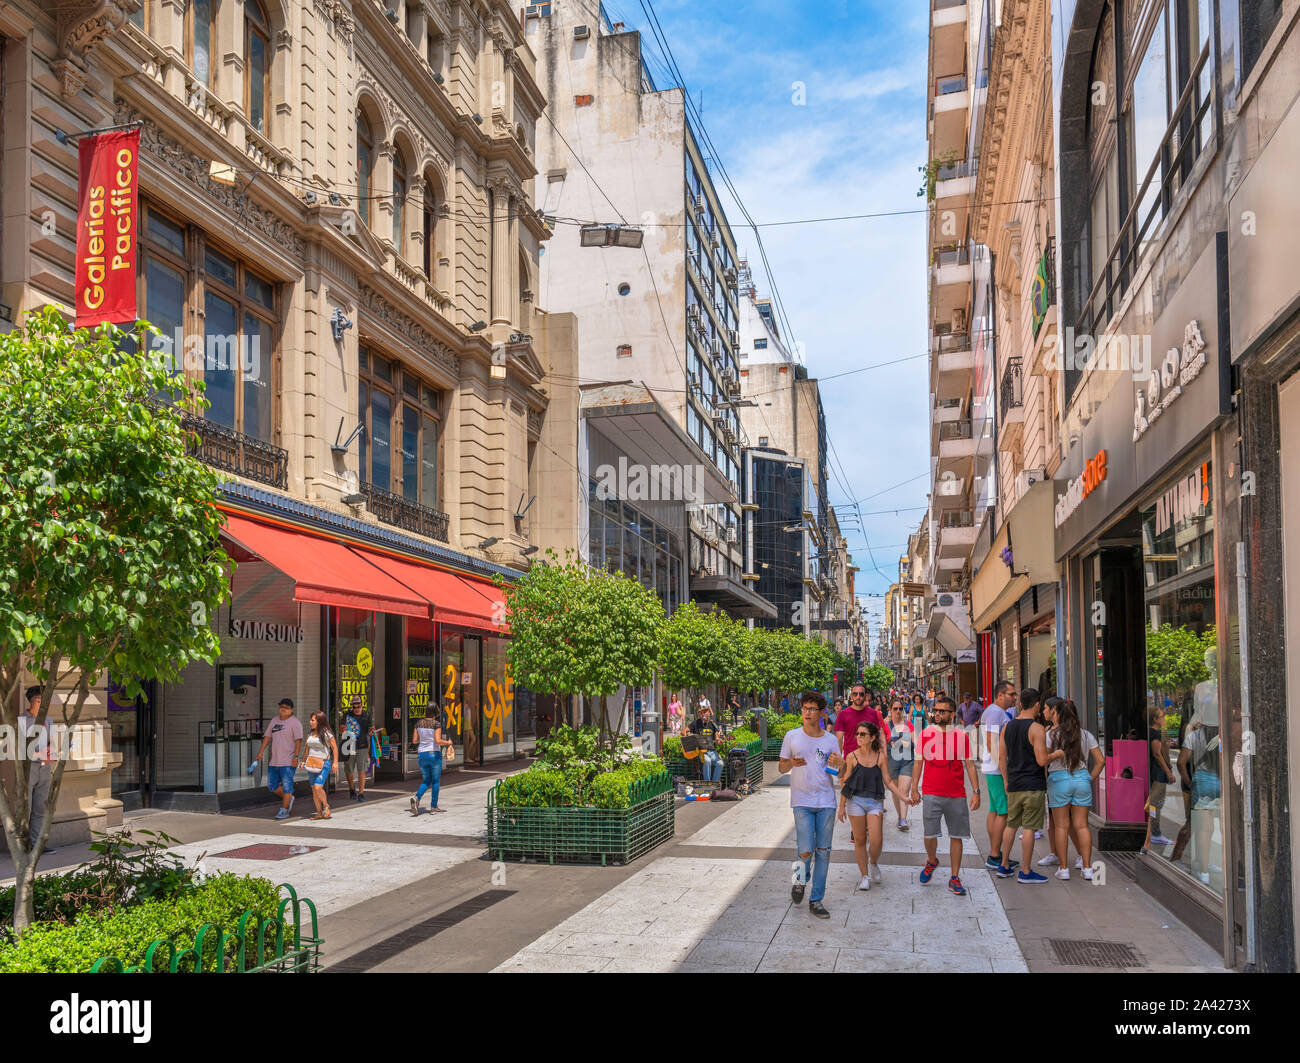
(1176, 658)
(579, 630)
(878, 677)
(701, 649)
(109, 551)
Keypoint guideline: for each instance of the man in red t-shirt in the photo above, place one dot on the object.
(859, 710)
(938, 785)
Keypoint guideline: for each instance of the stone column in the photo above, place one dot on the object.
(502, 255)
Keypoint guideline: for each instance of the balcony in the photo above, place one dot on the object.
(1011, 403)
(224, 448)
(953, 367)
(943, 412)
(956, 448)
(953, 187)
(948, 111)
(951, 283)
(957, 533)
(405, 514)
(948, 33)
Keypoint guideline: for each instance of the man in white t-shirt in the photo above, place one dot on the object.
(807, 754)
(991, 724)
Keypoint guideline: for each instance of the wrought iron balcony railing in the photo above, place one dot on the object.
(403, 513)
(223, 448)
(1012, 394)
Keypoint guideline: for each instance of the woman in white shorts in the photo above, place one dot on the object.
(862, 799)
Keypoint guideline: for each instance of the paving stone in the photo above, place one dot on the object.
(879, 961)
(779, 958)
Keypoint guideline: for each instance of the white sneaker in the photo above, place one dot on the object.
(1050, 860)
(865, 882)
(1063, 874)
(902, 823)
(1078, 863)
(1037, 835)
(875, 874)
(1087, 874)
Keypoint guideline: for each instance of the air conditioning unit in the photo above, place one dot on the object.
(693, 314)
(735, 339)
(1028, 478)
(959, 319)
(581, 33)
(698, 204)
(731, 535)
(713, 239)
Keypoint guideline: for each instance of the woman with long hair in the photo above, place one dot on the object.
(320, 755)
(862, 799)
(1056, 858)
(918, 710)
(1075, 761)
(902, 752)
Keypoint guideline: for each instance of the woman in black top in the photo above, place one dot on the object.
(862, 799)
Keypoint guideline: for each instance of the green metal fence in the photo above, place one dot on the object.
(257, 946)
(617, 835)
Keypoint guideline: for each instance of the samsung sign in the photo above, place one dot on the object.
(260, 631)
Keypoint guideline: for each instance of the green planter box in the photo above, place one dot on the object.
(584, 835)
(772, 748)
(690, 770)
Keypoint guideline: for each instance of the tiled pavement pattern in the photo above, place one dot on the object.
(730, 912)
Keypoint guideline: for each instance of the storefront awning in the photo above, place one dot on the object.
(1028, 530)
(945, 631)
(461, 600)
(324, 572)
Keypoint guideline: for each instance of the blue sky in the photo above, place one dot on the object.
(854, 291)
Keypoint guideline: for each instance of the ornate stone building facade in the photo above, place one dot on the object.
(342, 188)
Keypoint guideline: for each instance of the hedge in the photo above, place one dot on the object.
(59, 948)
(543, 787)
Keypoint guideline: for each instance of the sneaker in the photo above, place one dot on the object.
(902, 824)
(864, 883)
(1063, 874)
(875, 874)
(1007, 872)
(352, 794)
(955, 886)
(1026, 877)
(282, 814)
(818, 909)
(1012, 864)
(415, 808)
(361, 797)
(1037, 835)
(437, 808)
(1078, 863)
(993, 863)
(927, 873)
(1087, 874)
(1160, 839)
(1050, 860)
(796, 891)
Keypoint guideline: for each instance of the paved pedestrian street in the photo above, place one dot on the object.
(397, 893)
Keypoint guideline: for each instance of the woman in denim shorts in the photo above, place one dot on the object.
(1075, 761)
(319, 757)
(862, 799)
(902, 751)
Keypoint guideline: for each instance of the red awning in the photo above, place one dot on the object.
(325, 572)
(461, 600)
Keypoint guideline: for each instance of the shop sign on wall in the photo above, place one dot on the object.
(1094, 472)
(260, 631)
(1166, 382)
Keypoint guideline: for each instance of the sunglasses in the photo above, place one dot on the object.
(864, 734)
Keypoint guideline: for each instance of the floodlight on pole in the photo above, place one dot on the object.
(610, 236)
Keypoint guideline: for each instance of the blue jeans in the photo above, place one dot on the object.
(712, 766)
(431, 777)
(813, 828)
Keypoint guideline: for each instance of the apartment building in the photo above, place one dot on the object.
(344, 190)
(644, 257)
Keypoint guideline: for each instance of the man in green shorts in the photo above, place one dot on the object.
(992, 721)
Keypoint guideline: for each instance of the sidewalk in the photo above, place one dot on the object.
(398, 893)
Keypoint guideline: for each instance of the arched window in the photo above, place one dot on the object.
(257, 70)
(430, 227)
(200, 36)
(399, 200)
(365, 166)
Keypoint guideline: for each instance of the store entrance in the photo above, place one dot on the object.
(131, 727)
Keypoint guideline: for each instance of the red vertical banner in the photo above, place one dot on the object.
(107, 227)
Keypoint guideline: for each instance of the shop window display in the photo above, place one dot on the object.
(1185, 813)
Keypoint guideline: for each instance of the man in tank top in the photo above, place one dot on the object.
(1022, 756)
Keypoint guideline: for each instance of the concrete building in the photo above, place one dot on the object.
(661, 316)
(354, 193)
